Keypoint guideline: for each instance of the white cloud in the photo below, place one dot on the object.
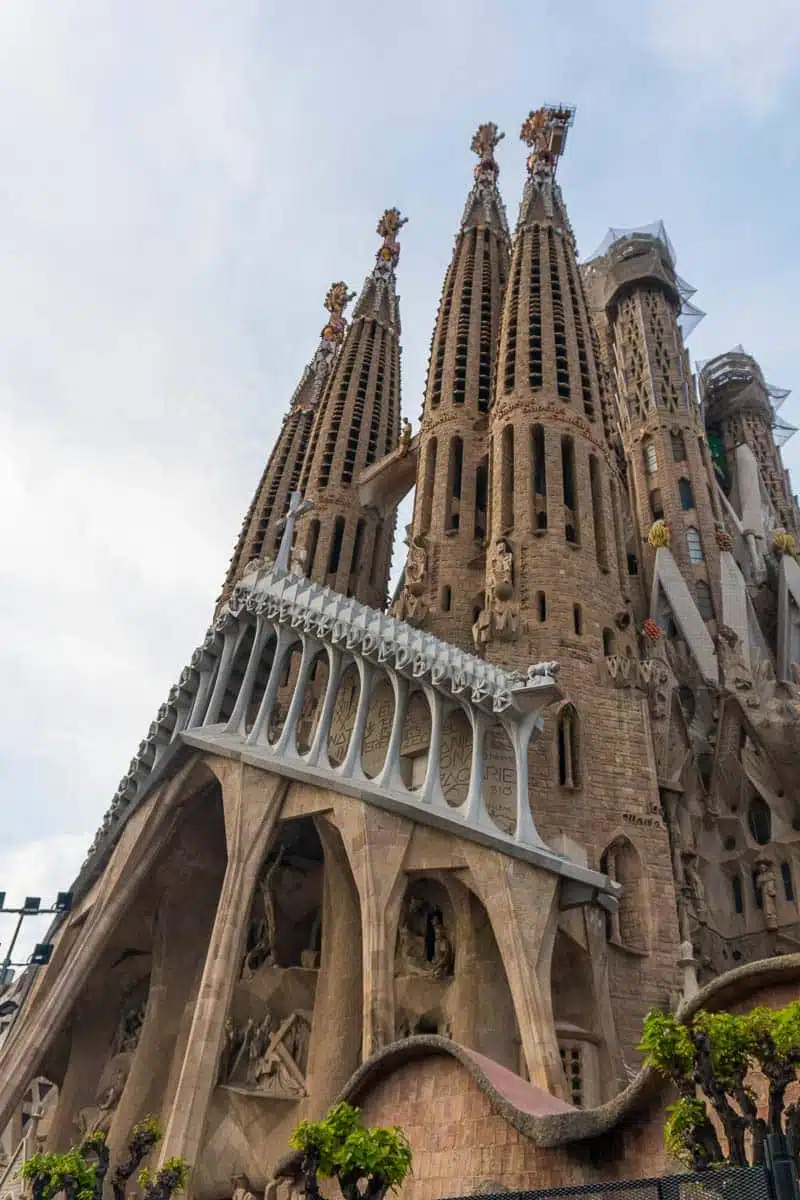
(730, 51)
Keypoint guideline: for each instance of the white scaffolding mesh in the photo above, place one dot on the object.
(690, 315)
(739, 366)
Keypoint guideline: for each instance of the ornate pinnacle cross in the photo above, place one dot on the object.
(297, 506)
(336, 301)
(388, 226)
(484, 141)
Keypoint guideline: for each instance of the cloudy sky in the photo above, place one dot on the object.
(182, 179)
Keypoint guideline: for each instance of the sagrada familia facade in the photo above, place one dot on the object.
(440, 851)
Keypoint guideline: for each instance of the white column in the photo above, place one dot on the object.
(232, 642)
(238, 718)
(285, 640)
(287, 742)
(431, 790)
(520, 734)
(389, 775)
(474, 809)
(352, 762)
(321, 733)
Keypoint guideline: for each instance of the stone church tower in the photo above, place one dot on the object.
(439, 855)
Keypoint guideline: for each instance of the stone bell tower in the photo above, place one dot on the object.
(444, 573)
(342, 543)
(260, 535)
(554, 582)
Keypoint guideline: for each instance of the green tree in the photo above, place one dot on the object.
(81, 1172)
(709, 1061)
(367, 1163)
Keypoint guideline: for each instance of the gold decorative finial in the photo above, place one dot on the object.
(388, 227)
(483, 143)
(545, 131)
(336, 301)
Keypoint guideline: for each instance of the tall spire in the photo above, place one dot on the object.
(342, 544)
(260, 534)
(443, 581)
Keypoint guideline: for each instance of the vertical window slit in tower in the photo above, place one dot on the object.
(686, 494)
(485, 348)
(541, 606)
(278, 475)
(427, 487)
(535, 312)
(393, 421)
(507, 479)
(570, 495)
(580, 335)
(336, 546)
(377, 400)
(511, 328)
(600, 543)
(462, 330)
(311, 551)
(357, 418)
(559, 325)
(441, 342)
(378, 552)
(678, 445)
(788, 885)
(568, 747)
(481, 498)
(338, 409)
(738, 897)
(301, 446)
(539, 515)
(355, 561)
(455, 463)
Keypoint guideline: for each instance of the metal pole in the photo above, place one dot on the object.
(782, 1167)
(13, 942)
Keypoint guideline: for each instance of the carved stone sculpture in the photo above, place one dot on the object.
(765, 884)
(695, 889)
(261, 937)
(405, 437)
(97, 1117)
(501, 570)
(241, 1188)
(423, 944)
(130, 1028)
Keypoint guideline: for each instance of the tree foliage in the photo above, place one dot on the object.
(709, 1062)
(367, 1163)
(81, 1172)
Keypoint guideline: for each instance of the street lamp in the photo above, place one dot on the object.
(42, 951)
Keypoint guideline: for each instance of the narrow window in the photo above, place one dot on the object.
(427, 487)
(541, 606)
(336, 546)
(455, 462)
(786, 876)
(704, 602)
(694, 546)
(738, 897)
(679, 455)
(358, 542)
(577, 619)
(650, 460)
(481, 497)
(447, 598)
(608, 642)
(633, 564)
(568, 748)
(656, 504)
(311, 553)
(539, 478)
(687, 496)
(570, 500)
(757, 893)
(759, 818)
(600, 544)
(507, 478)
(377, 554)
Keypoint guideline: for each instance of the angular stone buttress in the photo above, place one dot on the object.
(362, 832)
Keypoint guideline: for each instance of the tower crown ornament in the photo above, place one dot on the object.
(389, 225)
(545, 131)
(484, 141)
(336, 301)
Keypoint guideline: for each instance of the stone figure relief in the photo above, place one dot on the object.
(503, 610)
(130, 1027)
(241, 1189)
(97, 1117)
(694, 889)
(262, 932)
(266, 1058)
(765, 884)
(423, 944)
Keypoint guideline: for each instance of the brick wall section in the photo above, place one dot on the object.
(460, 1145)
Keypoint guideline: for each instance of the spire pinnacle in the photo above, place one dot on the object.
(389, 225)
(484, 141)
(336, 301)
(545, 131)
